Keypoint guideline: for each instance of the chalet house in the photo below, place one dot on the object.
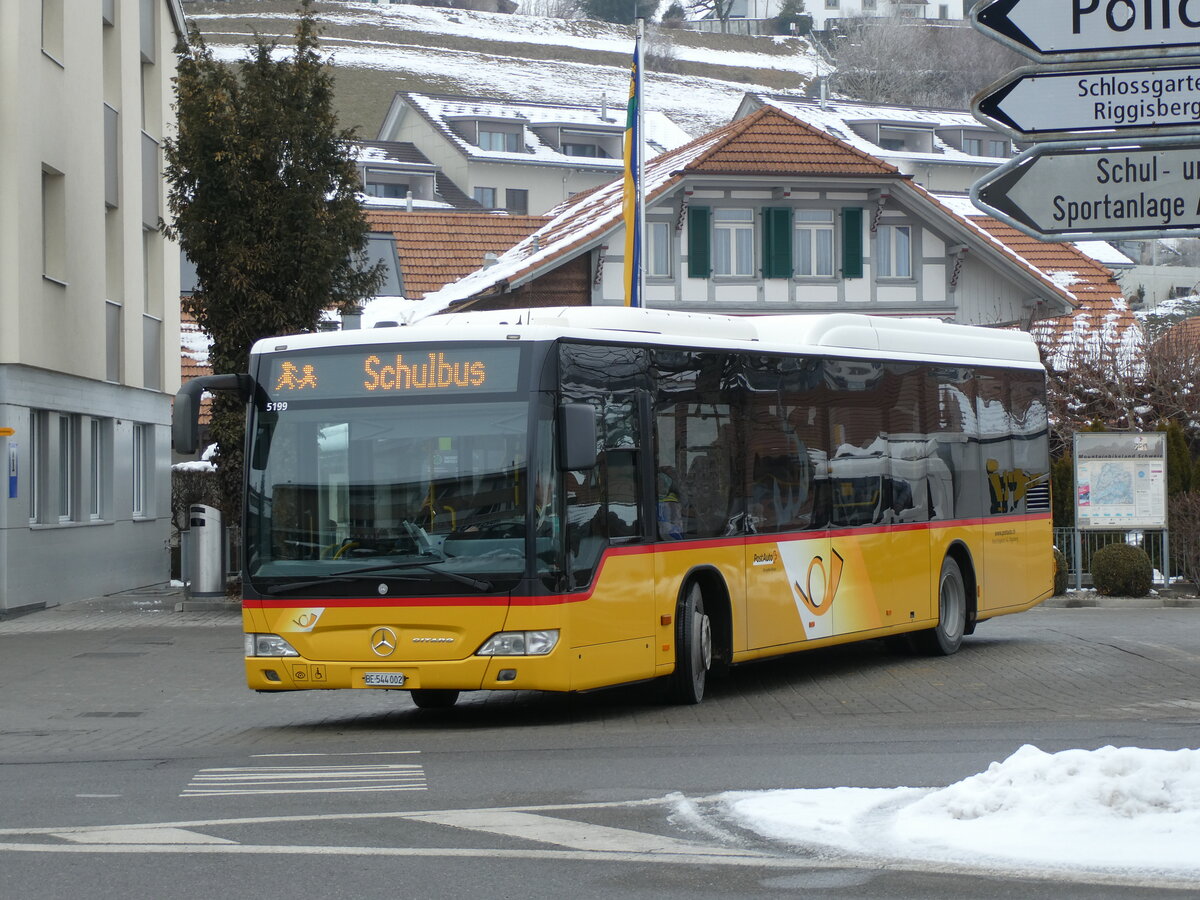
(769, 215)
(524, 158)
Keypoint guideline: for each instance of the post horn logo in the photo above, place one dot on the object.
(826, 584)
(383, 641)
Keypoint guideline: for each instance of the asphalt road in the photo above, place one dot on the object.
(134, 763)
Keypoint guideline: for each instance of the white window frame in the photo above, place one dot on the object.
(814, 245)
(733, 242)
(137, 463)
(37, 463)
(658, 249)
(488, 139)
(67, 471)
(973, 146)
(96, 470)
(997, 148)
(894, 251)
(479, 199)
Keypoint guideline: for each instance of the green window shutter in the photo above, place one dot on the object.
(777, 242)
(699, 242)
(852, 242)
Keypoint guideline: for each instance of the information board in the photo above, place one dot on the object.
(1120, 480)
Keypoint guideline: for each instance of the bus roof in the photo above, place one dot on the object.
(836, 333)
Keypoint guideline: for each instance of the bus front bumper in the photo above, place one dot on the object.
(496, 673)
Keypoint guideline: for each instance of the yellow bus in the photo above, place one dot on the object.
(572, 498)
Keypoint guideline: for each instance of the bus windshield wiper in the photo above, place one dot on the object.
(351, 574)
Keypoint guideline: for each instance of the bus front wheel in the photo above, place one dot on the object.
(430, 698)
(947, 637)
(693, 649)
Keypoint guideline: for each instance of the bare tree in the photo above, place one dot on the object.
(551, 9)
(720, 10)
(1125, 386)
(905, 61)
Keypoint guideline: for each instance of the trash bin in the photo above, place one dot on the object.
(206, 552)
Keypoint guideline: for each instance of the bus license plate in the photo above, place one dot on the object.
(383, 679)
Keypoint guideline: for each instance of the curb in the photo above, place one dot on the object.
(208, 606)
(1098, 602)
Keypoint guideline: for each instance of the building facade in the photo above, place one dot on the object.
(523, 158)
(89, 297)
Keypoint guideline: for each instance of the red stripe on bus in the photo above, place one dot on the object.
(637, 550)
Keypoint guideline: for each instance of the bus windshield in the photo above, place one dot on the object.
(424, 497)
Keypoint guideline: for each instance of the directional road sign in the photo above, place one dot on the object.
(1078, 190)
(1064, 29)
(1065, 102)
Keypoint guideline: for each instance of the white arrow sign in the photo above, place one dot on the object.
(1084, 190)
(1040, 103)
(1060, 29)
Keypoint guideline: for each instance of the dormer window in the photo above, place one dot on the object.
(504, 141)
(907, 140)
(590, 150)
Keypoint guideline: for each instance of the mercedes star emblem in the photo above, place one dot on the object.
(383, 641)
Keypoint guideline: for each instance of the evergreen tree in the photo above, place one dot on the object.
(1179, 459)
(1062, 491)
(263, 191)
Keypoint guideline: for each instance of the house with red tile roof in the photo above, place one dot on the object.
(770, 214)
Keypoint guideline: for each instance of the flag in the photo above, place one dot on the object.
(633, 180)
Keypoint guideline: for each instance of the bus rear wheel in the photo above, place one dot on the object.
(430, 698)
(693, 649)
(947, 637)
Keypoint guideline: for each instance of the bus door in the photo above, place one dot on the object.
(610, 568)
(791, 576)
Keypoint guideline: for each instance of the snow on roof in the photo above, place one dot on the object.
(1104, 252)
(371, 202)
(661, 133)
(1101, 326)
(194, 343)
(838, 116)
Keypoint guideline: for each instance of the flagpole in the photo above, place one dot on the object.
(641, 166)
(633, 188)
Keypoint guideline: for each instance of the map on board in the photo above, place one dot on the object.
(1113, 486)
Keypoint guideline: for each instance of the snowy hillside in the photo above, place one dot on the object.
(383, 48)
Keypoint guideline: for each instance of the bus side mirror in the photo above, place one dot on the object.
(185, 429)
(576, 436)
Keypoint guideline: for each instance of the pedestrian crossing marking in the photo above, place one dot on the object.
(147, 835)
(567, 832)
(230, 781)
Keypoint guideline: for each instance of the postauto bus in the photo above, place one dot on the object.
(568, 499)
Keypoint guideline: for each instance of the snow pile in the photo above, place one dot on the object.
(1113, 809)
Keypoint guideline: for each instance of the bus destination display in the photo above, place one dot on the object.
(404, 371)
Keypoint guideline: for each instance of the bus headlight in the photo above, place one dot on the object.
(268, 645)
(519, 643)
